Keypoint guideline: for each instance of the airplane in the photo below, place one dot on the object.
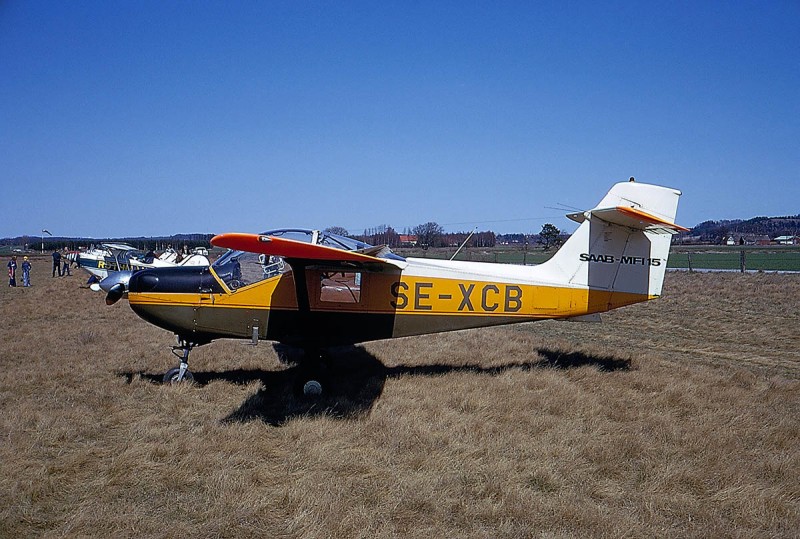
(313, 290)
(196, 257)
(99, 262)
(102, 262)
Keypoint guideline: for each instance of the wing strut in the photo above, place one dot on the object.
(303, 303)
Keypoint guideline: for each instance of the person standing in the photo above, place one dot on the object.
(26, 272)
(12, 271)
(56, 263)
(65, 258)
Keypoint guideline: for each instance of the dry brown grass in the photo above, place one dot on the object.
(675, 418)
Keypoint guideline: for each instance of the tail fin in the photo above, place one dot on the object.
(620, 250)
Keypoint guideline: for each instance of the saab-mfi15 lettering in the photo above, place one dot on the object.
(313, 290)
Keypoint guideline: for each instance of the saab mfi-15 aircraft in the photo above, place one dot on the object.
(314, 290)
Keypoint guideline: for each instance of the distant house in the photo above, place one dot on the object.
(754, 239)
(408, 240)
(762, 240)
(747, 239)
(787, 240)
(686, 239)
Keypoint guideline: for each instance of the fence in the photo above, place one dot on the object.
(496, 255)
(714, 258)
(737, 260)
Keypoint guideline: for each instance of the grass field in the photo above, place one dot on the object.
(675, 418)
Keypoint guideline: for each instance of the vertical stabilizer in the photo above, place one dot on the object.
(621, 246)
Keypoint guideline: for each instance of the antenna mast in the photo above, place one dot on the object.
(463, 244)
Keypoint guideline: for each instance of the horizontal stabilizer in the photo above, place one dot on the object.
(631, 218)
(622, 244)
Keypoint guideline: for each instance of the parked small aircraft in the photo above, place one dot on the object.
(110, 258)
(313, 290)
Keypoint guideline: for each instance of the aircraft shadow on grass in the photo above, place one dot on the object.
(353, 380)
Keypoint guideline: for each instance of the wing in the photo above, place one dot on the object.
(307, 253)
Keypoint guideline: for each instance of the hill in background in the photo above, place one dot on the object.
(713, 231)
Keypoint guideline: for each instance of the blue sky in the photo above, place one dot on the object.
(152, 118)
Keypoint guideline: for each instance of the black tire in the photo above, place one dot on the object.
(171, 376)
(312, 389)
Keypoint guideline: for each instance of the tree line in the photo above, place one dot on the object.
(425, 235)
(431, 234)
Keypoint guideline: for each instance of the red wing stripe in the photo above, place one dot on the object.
(270, 245)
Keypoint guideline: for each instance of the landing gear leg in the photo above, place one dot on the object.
(312, 373)
(182, 372)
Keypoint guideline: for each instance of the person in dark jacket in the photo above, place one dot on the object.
(12, 271)
(56, 263)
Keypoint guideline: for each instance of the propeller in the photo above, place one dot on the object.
(115, 293)
(115, 286)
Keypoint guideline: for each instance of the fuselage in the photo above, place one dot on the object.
(412, 297)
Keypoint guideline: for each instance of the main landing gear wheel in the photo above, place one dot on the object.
(172, 376)
(312, 388)
(312, 374)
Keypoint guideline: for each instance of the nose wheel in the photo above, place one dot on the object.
(181, 373)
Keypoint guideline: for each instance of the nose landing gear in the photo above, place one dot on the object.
(182, 372)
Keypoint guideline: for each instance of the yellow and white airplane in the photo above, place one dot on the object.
(314, 290)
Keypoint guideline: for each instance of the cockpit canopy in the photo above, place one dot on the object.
(242, 268)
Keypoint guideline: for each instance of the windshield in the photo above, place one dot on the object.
(242, 268)
(320, 238)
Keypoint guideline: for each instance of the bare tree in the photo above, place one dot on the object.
(429, 234)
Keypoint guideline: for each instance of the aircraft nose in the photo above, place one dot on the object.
(191, 279)
(168, 297)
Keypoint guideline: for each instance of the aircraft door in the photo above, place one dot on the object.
(336, 290)
(337, 304)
